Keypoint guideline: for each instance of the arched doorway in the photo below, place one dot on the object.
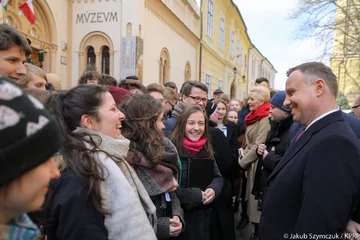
(101, 53)
(164, 66)
(42, 34)
(187, 73)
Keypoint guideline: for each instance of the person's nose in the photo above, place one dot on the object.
(21, 70)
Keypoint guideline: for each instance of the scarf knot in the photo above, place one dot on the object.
(258, 114)
(194, 147)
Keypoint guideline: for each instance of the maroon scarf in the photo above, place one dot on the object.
(194, 147)
(258, 114)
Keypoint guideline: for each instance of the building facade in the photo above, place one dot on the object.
(345, 59)
(259, 66)
(155, 40)
(225, 50)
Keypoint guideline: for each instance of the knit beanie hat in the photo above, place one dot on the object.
(119, 94)
(278, 100)
(210, 108)
(29, 134)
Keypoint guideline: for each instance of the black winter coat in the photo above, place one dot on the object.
(72, 215)
(277, 137)
(197, 215)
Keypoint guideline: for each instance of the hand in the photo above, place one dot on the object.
(266, 152)
(209, 195)
(261, 149)
(353, 227)
(203, 196)
(175, 226)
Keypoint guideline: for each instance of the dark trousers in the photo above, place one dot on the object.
(243, 202)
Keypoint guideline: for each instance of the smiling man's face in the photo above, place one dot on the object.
(12, 63)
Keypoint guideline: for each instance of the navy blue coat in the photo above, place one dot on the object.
(72, 216)
(353, 122)
(315, 187)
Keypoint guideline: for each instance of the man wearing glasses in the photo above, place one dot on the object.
(192, 93)
(355, 110)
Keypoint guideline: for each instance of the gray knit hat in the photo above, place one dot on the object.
(29, 134)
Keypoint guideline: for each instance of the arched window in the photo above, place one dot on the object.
(187, 74)
(139, 34)
(105, 60)
(9, 21)
(164, 66)
(91, 58)
(128, 29)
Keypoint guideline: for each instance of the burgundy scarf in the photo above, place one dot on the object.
(194, 147)
(258, 114)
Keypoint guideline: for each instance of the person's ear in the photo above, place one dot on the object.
(319, 87)
(87, 122)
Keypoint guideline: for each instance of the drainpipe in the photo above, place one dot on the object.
(201, 36)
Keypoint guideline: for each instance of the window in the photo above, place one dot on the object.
(232, 44)
(128, 29)
(210, 18)
(241, 57)
(219, 84)
(9, 21)
(222, 33)
(164, 66)
(208, 84)
(187, 74)
(105, 60)
(253, 68)
(238, 52)
(91, 57)
(245, 62)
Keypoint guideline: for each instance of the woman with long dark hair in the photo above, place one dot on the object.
(201, 180)
(98, 195)
(155, 160)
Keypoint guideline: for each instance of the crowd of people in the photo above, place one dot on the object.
(112, 159)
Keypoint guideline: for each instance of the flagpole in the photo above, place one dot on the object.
(7, 13)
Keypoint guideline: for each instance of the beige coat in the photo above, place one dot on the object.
(255, 135)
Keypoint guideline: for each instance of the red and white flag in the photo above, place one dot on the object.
(28, 10)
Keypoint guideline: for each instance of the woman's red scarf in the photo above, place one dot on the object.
(194, 147)
(258, 114)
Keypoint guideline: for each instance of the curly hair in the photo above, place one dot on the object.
(142, 112)
(90, 75)
(31, 69)
(129, 84)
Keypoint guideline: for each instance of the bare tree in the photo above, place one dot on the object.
(335, 25)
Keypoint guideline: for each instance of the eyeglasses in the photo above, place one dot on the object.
(355, 106)
(198, 99)
(172, 105)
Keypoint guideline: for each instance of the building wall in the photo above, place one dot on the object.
(95, 17)
(162, 30)
(220, 59)
(345, 60)
(259, 66)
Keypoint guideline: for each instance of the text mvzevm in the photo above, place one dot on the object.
(97, 17)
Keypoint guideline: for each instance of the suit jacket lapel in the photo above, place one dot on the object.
(304, 139)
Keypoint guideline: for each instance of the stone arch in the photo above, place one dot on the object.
(45, 38)
(97, 40)
(187, 73)
(164, 66)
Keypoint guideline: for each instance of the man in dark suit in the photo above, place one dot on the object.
(315, 187)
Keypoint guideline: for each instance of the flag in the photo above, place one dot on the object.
(4, 4)
(28, 10)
